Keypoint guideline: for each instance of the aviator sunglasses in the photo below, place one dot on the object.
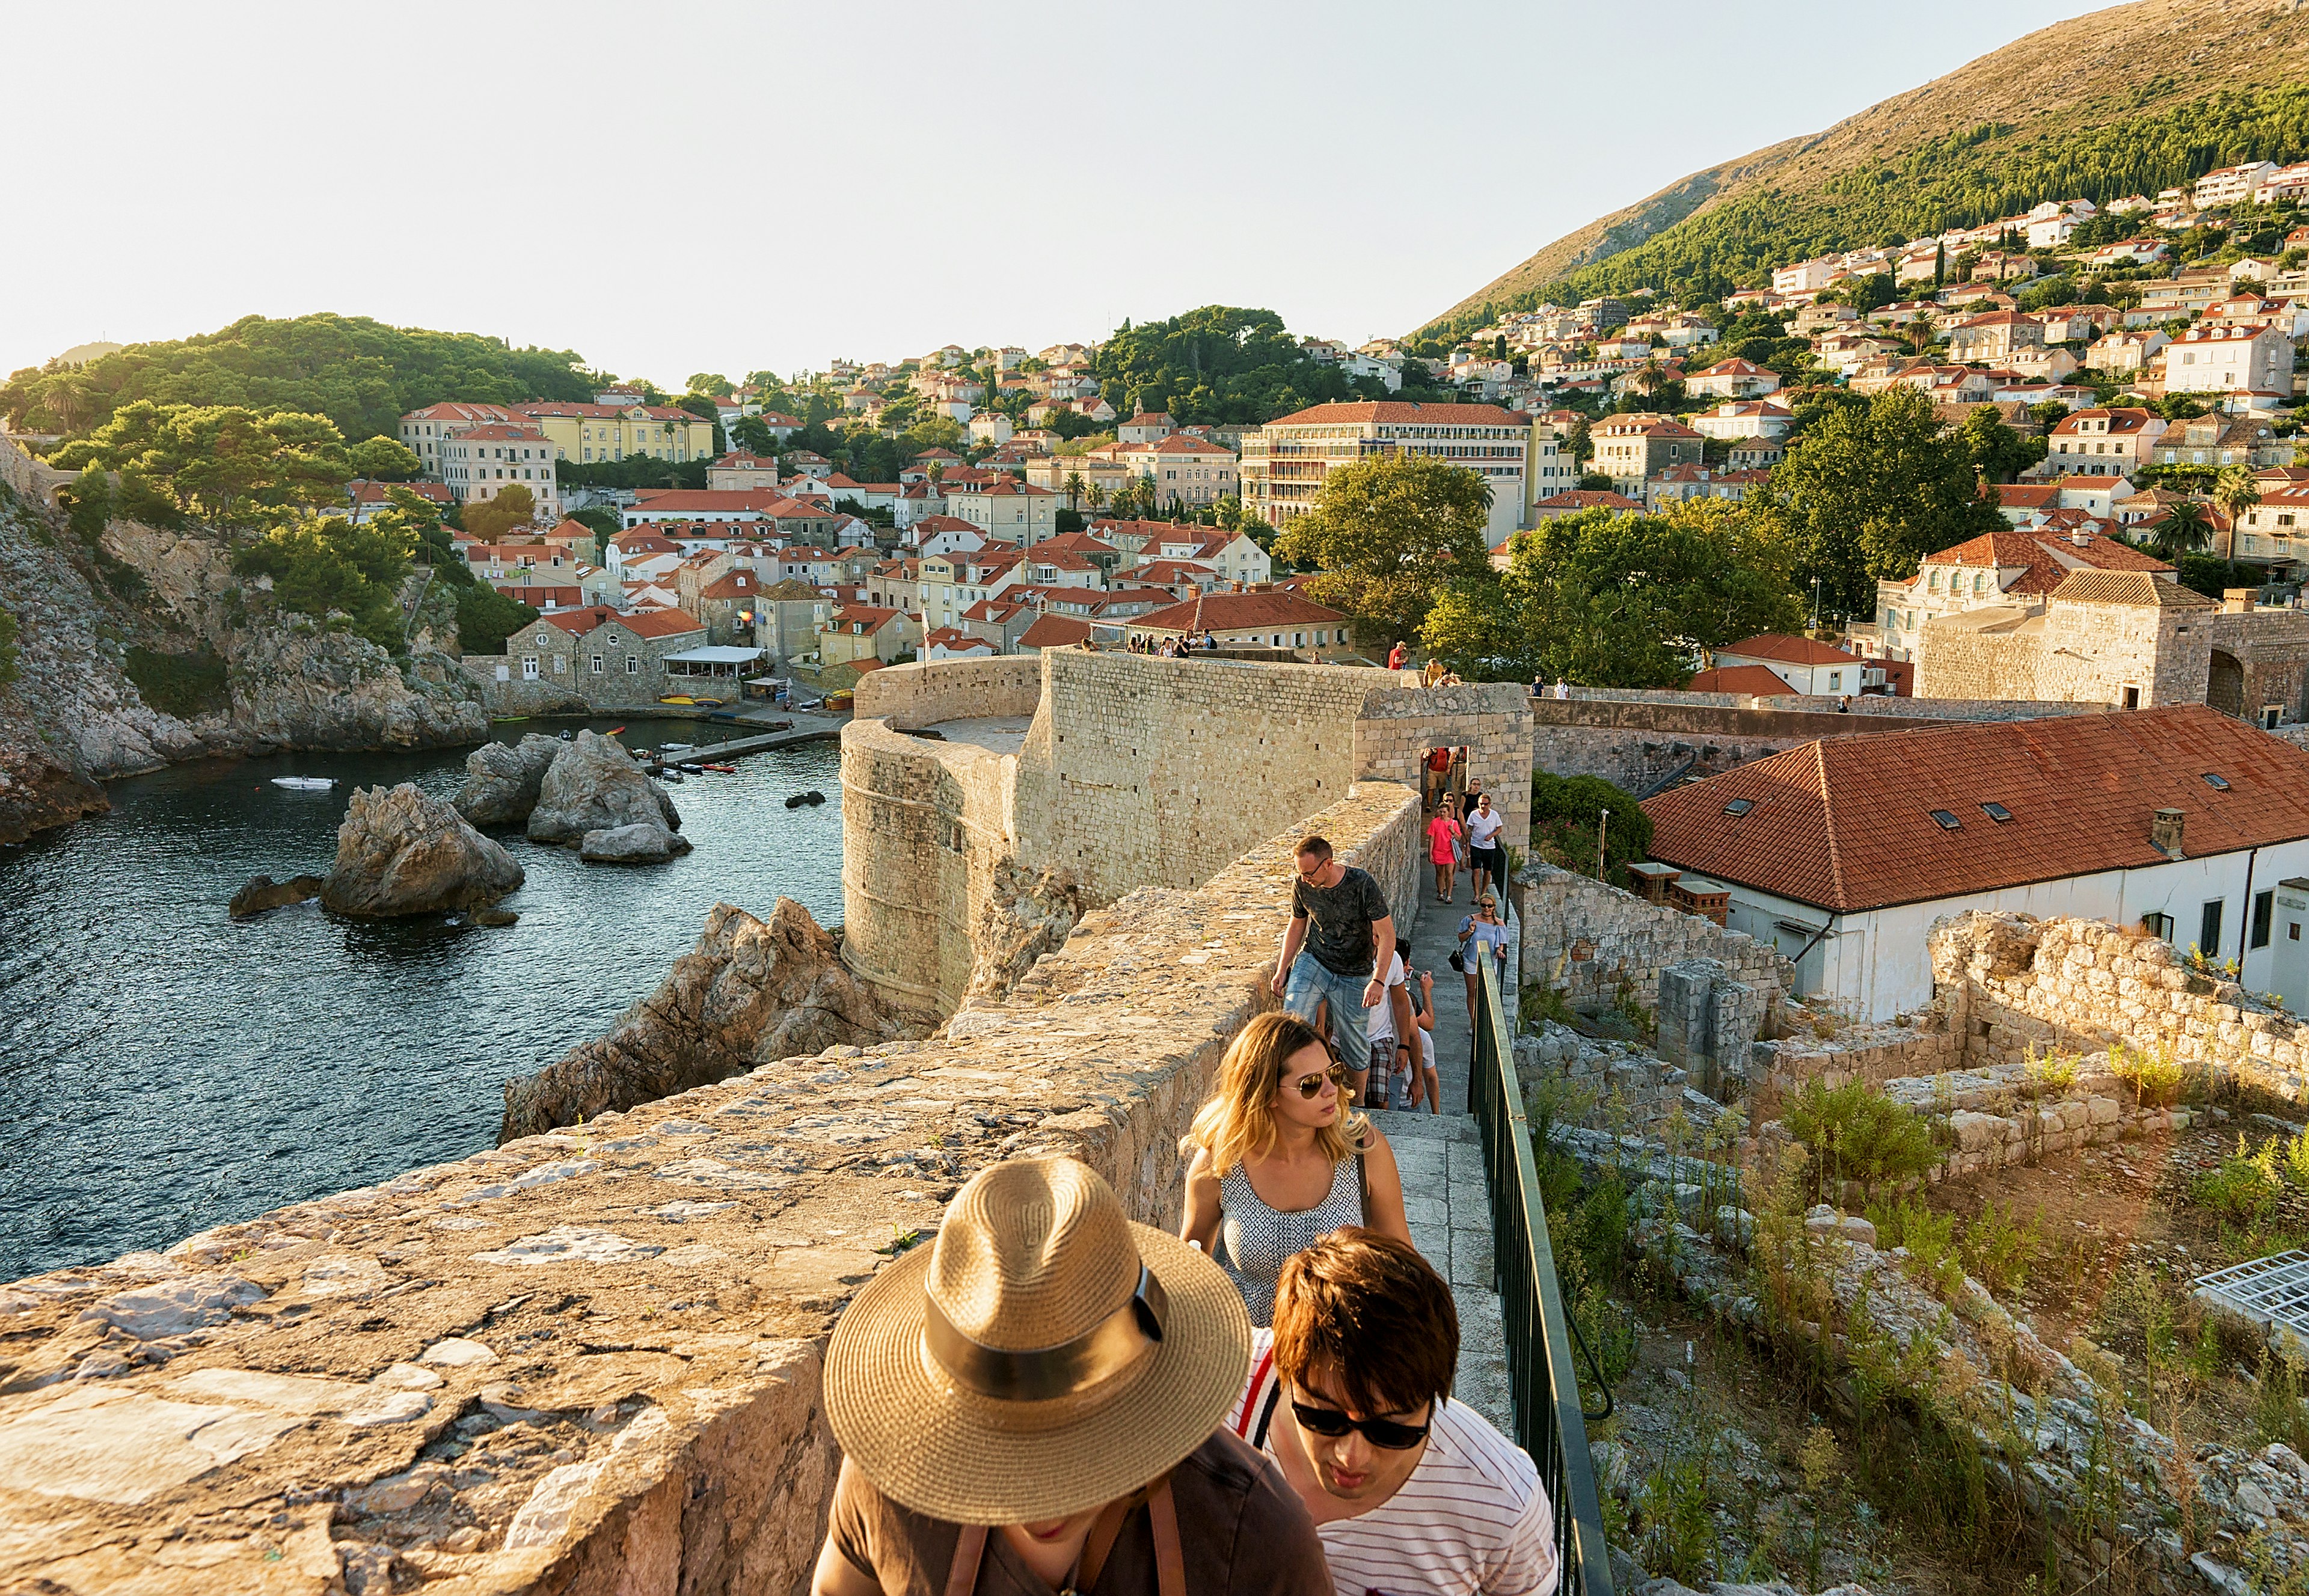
(1383, 1433)
(1311, 1086)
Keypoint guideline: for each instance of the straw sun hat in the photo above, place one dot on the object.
(1043, 1356)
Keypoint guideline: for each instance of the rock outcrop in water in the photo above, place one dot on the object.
(502, 779)
(263, 893)
(749, 994)
(401, 852)
(632, 844)
(595, 785)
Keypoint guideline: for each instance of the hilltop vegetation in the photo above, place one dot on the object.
(358, 373)
(2127, 100)
(1215, 364)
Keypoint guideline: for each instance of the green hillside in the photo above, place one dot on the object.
(2128, 100)
(359, 373)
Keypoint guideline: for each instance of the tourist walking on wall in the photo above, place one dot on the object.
(1099, 1460)
(1481, 933)
(1280, 1158)
(1398, 656)
(1394, 1033)
(1350, 1394)
(1443, 835)
(1439, 777)
(1336, 946)
(1486, 857)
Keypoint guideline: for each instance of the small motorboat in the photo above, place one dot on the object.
(305, 783)
(723, 769)
(676, 748)
(688, 769)
(668, 775)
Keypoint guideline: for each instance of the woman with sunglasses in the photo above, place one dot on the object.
(1279, 1159)
(1481, 933)
(1350, 1394)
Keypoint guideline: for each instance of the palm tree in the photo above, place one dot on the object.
(2235, 491)
(1073, 489)
(1921, 334)
(2185, 530)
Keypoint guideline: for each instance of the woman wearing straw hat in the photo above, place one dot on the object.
(1031, 1403)
(1279, 1160)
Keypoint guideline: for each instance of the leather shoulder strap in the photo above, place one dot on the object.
(1169, 1559)
(969, 1551)
(1266, 1414)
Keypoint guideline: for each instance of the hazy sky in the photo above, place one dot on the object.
(671, 189)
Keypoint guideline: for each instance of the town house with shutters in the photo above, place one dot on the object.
(610, 660)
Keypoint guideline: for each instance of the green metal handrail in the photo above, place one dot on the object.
(1541, 1377)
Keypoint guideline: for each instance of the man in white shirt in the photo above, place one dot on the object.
(1413, 1494)
(1389, 1028)
(1484, 856)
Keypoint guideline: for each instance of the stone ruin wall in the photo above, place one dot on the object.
(924, 693)
(35, 479)
(588, 1361)
(2007, 983)
(1584, 938)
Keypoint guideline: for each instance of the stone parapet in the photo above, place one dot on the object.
(588, 1361)
(928, 691)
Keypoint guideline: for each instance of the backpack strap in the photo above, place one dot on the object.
(1266, 1414)
(969, 1550)
(1258, 1373)
(1170, 1558)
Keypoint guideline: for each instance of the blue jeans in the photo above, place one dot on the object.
(1309, 984)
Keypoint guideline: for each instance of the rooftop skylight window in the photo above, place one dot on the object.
(1996, 813)
(1946, 822)
(2220, 784)
(1739, 806)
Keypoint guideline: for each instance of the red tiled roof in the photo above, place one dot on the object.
(1586, 499)
(1846, 823)
(1794, 651)
(1233, 612)
(643, 623)
(1752, 680)
(1397, 411)
(755, 501)
(2049, 558)
(1054, 631)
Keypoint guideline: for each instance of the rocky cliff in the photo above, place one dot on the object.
(749, 994)
(72, 718)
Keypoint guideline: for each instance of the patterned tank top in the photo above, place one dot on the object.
(1254, 1239)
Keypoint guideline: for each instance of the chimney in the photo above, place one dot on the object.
(2165, 832)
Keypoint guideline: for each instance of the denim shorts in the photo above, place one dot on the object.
(1310, 983)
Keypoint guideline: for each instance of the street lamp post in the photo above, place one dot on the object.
(1815, 604)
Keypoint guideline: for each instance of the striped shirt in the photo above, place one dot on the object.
(1472, 1517)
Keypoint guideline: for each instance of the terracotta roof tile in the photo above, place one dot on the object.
(1794, 651)
(1752, 680)
(1847, 824)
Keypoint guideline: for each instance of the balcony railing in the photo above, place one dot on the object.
(1548, 1423)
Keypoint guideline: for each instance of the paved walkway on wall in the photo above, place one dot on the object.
(1445, 1193)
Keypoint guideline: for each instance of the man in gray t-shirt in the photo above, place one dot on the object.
(1340, 930)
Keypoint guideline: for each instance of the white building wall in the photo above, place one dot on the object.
(1874, 962)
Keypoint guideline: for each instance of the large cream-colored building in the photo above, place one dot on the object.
(1185, 469)
(1284, 462)
(588, 434)
(479, 463)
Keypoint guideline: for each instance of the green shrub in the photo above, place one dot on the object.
(486, 618)
(2155, 1077)
(317, 567)
(1996, 1250)
(1929, 1236)
(2242, 1191)
(1856, 1132)
(180, 684)
(1578, 802)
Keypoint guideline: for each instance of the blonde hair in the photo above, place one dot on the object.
(1237, 1120)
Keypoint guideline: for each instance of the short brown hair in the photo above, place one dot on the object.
(1318, 846)
(1371, 1312)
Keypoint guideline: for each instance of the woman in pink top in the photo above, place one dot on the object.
(1443, 833)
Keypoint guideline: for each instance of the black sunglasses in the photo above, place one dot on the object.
(1383, 1433)
(1311, 1085)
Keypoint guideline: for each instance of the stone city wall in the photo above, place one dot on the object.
(928, 691)
(35, 479)
(927, 829)
(2007, 984)
(1585, 939)
(1135, 770)
(1633, 739)
(1961, 652)
(589, 1361)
